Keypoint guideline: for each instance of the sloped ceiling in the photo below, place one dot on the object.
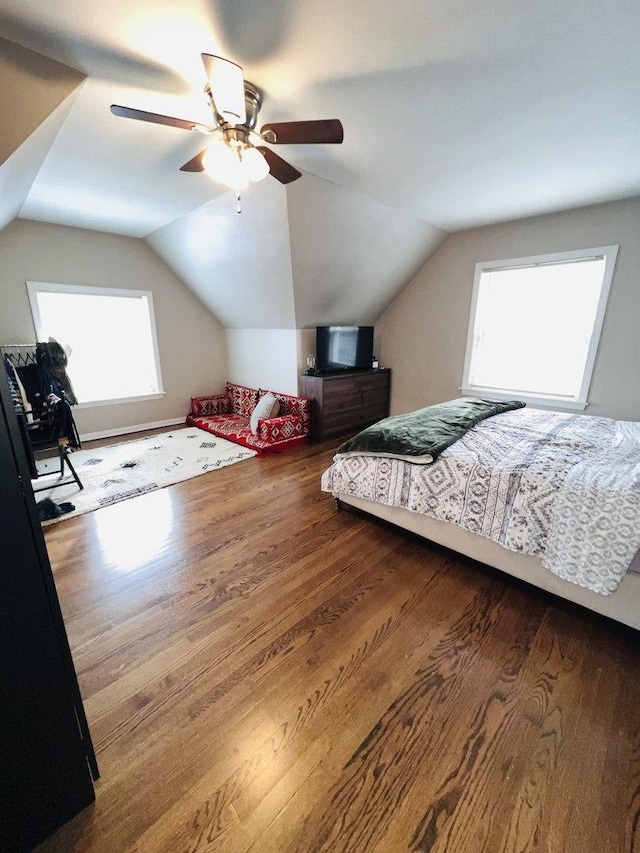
(313, 253)
(238, 264)
(350, 255)
(35, 99)
(32, 87)
(91, 177)
(18, 172)
(456, 114)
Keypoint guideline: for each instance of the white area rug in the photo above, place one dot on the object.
(122, 471)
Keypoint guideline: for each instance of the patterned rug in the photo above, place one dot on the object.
(122, 471)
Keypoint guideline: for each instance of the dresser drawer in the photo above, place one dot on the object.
(354, 421)
(375, 397)
(375, 382)
(341, 421)
(349, 403)
(343, 387)
(375, 413)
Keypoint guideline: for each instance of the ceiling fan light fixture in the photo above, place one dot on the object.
(223, 164)
(255, 166)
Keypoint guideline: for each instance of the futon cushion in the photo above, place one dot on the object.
(236, 428)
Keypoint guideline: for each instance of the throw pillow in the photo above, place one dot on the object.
(266, 407)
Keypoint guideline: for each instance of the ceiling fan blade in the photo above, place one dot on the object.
(156, 118)
(279, 168)
(328, 130)
(226, 80)
(195, 164)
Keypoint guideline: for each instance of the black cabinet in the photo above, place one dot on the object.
(346, 402)
(46, 757)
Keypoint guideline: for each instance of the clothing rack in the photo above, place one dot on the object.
(20, 355)
(25, 355)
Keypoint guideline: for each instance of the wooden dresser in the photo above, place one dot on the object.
(346, 402)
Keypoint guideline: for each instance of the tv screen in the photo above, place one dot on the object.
(343, 347)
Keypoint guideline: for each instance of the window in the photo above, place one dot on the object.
(535, 325)
(112, 336)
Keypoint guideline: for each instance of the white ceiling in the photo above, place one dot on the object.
(238, 265)
(118, 178)
(458, 113)
(350, 255)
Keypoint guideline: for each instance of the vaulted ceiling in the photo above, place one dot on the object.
(456, 114)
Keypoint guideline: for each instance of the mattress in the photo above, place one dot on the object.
(563, 488)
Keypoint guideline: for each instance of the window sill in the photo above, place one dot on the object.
(140, 399)
(539, 402)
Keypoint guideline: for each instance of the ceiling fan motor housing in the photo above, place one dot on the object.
(252, 100)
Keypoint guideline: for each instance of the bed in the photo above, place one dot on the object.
(550, 498)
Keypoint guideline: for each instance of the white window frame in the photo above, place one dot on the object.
(579, 402)
(35, 287)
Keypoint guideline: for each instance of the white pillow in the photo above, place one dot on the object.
(266, 407)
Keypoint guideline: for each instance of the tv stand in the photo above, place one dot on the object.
(345, 402)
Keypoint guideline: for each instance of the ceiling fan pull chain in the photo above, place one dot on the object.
(239, 207)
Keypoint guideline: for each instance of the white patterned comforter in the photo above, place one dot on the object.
(563, 487)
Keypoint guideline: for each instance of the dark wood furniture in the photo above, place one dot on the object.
(46, 756)
(346, 402)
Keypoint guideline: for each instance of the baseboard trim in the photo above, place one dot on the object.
(125, 430)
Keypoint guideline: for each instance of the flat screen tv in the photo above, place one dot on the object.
(343, 348)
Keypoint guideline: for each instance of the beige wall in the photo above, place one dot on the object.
(190, 340)
(423, 333)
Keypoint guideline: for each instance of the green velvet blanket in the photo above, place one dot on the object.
(422, 436)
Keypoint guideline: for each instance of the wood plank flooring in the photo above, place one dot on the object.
(262, 673)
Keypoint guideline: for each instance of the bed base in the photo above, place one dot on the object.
(623, 605)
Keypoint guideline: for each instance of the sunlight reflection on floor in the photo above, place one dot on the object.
(136, 531)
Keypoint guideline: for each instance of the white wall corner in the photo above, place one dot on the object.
(263, 358)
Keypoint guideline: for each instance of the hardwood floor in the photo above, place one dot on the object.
(262, 673)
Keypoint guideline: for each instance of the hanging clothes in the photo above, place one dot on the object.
(25, 400)
(35, 388)
(14, 387)
(52, 360)
(62, 422)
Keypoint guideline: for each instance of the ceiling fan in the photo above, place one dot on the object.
(239, 155)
